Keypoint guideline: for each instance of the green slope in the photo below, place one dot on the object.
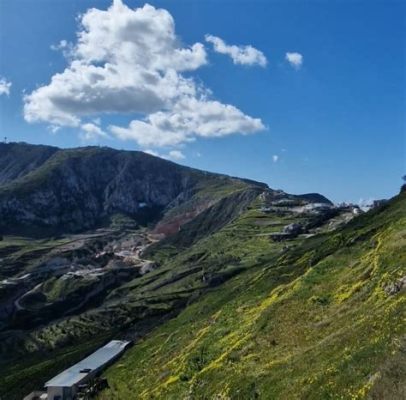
(131, 309)
(19, 159)
(320, 319)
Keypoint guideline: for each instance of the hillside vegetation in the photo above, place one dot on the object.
(228, 289)
(19, 159)
(64, 293)
(322, 319)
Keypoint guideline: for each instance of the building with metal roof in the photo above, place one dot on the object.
(65, 385)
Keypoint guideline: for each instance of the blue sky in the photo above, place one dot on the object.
(334, 124)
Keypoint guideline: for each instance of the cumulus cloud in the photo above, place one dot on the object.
(92, 131)
(189, 118)
(245, 55)
(131, 61)
(176, 155)
(275, 158)
(172, 155)
(124, 61)
(5, 86)
(294, 59)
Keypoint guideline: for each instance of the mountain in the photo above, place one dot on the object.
(226, 287)
(316, 198)
(47, 190)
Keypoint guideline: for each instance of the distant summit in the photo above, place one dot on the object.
(315, 198)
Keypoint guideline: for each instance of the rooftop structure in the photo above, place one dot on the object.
(95, 361)
(66, 385)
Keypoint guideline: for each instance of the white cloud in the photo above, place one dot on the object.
(125, 61)
(172, 155)
(63, 44)
(275, 158)
(92, 131)
(65, 47)
(366, 204)
(176, 155)
(131, 61)
(294, 59)
(189, 118)
(152, 153)
(54, 128)
(5, 86)
(245, 55)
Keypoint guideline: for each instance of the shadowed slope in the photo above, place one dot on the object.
(18, 159)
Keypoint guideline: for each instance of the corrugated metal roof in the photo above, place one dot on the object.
(73, 375)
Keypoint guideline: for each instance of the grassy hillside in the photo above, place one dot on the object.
(226, 239)
(133, 308)
(19, 159)
(233, 304)
(321, 318)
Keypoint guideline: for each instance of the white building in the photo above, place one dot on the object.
(65, 385)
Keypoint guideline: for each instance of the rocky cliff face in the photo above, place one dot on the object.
(72, 190)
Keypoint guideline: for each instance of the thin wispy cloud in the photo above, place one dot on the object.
(243, 55)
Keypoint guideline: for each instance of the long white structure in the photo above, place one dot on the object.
(65, 385)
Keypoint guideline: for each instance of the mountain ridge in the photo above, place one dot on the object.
(81, 188)
(77, 188)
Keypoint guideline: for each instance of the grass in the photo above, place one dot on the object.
(314, 322)
(144, 301)
(18, 255)
(307, 318)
